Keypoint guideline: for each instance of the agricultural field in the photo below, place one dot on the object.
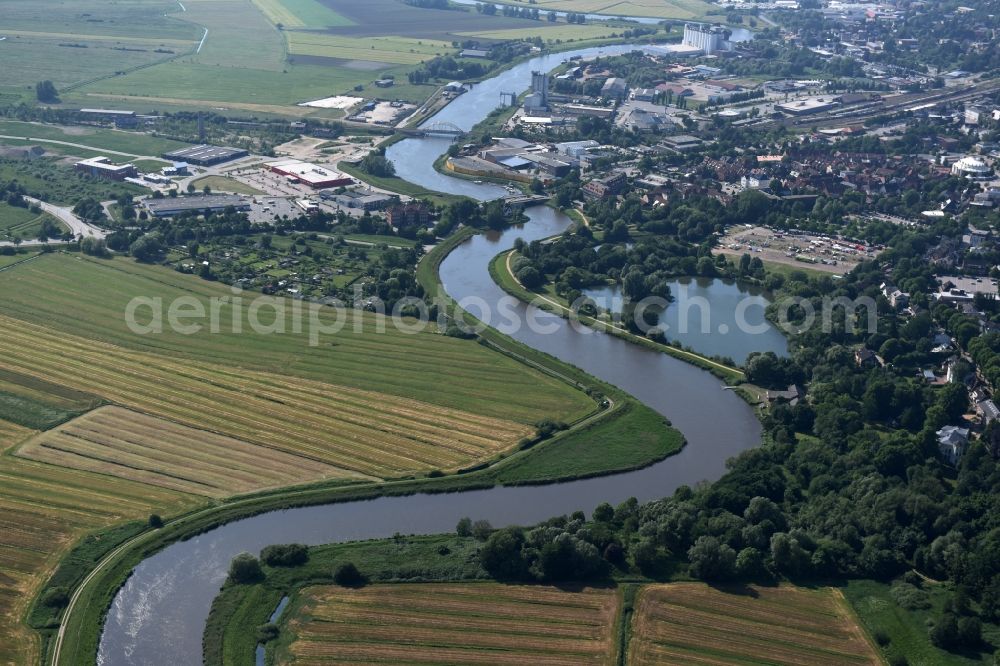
(485, 623)
(138, 447)
(300, 14)
(38, 404)
(563, 32)
(70, 43)
(261, 56)
(43, 510)
(86, 299)
(363, 433)
(694, 623)
(664, 9)
(393, 50)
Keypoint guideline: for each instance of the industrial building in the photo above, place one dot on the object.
(102, 167)
(310, 174)
(804, 107)
(214, 203)
(708, 38)
(119, 117)
(538, 98)
(205, 155)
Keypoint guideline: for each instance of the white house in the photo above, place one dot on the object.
(952, 441)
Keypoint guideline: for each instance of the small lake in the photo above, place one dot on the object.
(711, 316)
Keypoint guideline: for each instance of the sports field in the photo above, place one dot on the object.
(692, 623)
(471, 623)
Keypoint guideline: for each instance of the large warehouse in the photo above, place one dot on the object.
(215, 203)
(205, 155)
(310, 174)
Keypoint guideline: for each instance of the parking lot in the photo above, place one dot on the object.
(796, 248)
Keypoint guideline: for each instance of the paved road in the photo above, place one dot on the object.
(66, 216)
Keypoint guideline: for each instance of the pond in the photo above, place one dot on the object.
(710, 316)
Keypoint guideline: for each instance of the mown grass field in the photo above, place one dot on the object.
(360, 432)
(129, 445)
(86, 298)
(682, 623)
(44, 509)
(37, 404)
(485, 623)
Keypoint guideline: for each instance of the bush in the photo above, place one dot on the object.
(481, 530)
(909, 596)
(347, 575)
(881, 637)
(55, 597)
(155, 521)
(464, 527)
(286, 555)
(245, 569)
(267, 632)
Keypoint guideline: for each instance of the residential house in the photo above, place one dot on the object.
(988, 410)
(952, 442)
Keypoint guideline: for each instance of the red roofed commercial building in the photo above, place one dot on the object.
(309, 174)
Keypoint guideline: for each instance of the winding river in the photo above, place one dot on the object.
(159, 614)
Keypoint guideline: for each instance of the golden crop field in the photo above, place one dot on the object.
(692, 623)
(139, 447)
(360, 432)
(395, 50)
(462, 623)
(43, 510)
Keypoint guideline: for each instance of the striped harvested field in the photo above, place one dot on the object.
(462, 623)
(43, 510)
(692, 623)
(138, 447)
(12, 434)
(361, 432)
(87, 298)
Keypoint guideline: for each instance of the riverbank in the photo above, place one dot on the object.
(500, 269)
